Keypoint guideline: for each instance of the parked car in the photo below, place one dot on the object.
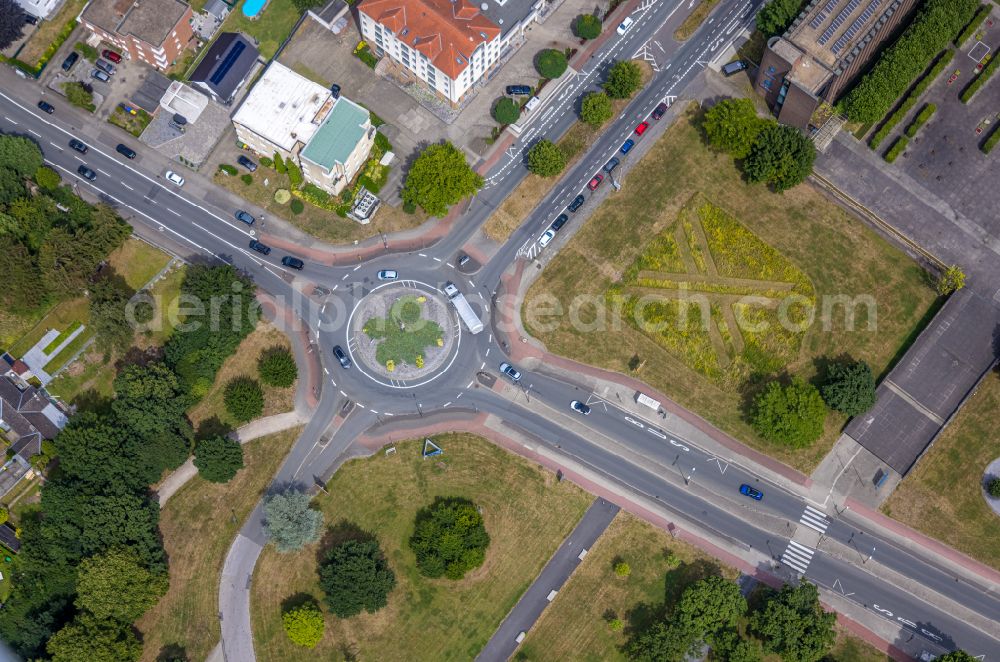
(659, 111)
(611, 164)
(510, 371)
(293, 262)
(111, 55)
(100, 75)
(78, 146)
(627, 146)
(625, 25)
(47, 107)
(125, 151)
(263, 249)
(245, 217)
(30, 19)
(175, 178)
(518, 90)
(733, 68)
(463, 260)
(246, 163)
(105, 66)
(342, 357)
(577, 202)
(746, 490)
(70, 61)
(546, 238)
(641, 129)
(559, 222)
(580, 408)
(595, 182)
(87, 173)
(387, 274)
(335, 91)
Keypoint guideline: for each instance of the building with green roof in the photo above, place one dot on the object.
(339, 147)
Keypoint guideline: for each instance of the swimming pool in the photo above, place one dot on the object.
(253, 7)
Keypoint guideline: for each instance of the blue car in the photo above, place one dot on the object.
(628, 145)
(746, 490)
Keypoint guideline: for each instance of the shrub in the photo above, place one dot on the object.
(781, 155)
(546, 159)
(623, 569)
(47, 178)
(267, 162)
(970, 29)
(282, 196)
(506, 111)
(246, 178)
(244, 399)
(289, 521)
(934, 26)
(449, 538)
(277, 368)
(382, 142)
(911, 99)
(991, 141)
(897, 148)
(922, 117)
(218, 458)
(79, 96)
(792, 415)
(551, 63)
(596, 109)
(364, 53)
(849, 388)
(980, 80)
(279, 164)
(951, 280)
(304, 624)
(616, 625)
(296, 206)
(4, 514)
(587, 26)
(87, 51)
(732, 125)
(624, 79)
(992, 488)
(355, 576)
(227, 169)
(294, 174)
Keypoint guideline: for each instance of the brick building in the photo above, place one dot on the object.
(153, 31)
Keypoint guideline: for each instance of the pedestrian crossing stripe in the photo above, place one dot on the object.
(815, 519)
(798, 557)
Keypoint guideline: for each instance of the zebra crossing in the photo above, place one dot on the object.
(797, 557)
(815, 519)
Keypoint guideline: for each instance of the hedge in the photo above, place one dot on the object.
(980, 80)
(37, 68)
(991, 140)
(977, 20)
(925, 114)
(228, 169)
(936, 24)
(897, 148)
(911, 99)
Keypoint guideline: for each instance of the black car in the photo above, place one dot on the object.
(345, 361)
(292, 262)
(47, 107)
(577, 203)
(559, 222)
(612, 164)
(335, 91)
(87, 172)
(519, 90)
(78, 146)
(245, 217)
(246, 163)
(659, 111)
(734, 67)
(105, 66)
(125, 151)
(70, 61)
(30, 20)
(263, 249)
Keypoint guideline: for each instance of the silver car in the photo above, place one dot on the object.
(510, 371)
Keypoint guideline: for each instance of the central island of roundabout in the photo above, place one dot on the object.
(403, 334)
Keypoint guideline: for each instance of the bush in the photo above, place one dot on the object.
(244, 399)
(623, 569)
(279, 164)
(546, 159)
(296, 206)
(87, 51)
(624, 79)
(934, 26)
(289, 521)
(4, 514)
(980, 80)
(277, 367)
(897, 148)
(970, 29)
(227, 169)
(282, 196)
(506, 111)
(79, 96)
(587, 26)
(294, 174)
(246, 178)
(596, 109)
(732, 125)
(438, 178)
(951, 280)
(991, 141)
(449, 538)
(922, 117)
(355, 576)
(47, 178)
(218, 458)
(382, 142)
(304, 624)
(792, 415)
(775, 16)
(781, 155)
(551, 63)
(267, 162)
(992, 488)
(911, 99)
(849, 388)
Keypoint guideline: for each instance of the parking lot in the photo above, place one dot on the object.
(127, 78)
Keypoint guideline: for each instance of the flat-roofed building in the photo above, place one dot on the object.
(153, 31)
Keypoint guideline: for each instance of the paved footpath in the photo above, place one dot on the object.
(533, 602)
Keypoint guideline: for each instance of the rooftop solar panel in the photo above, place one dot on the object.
(858, 23)
(838, 21)
(227, 64)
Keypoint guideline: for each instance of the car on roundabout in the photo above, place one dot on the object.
(513, 373)
(342, 357)
(388, 274)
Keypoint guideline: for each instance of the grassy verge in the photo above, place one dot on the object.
(527, 515)
(134, 124)
(47, 32)
(270, 28)
(63, 335)
(57, 362)
(942, 496)
(636, 229)
(137, 262)
(62, 316)
(198, 525)
(694, 20)
(25, 495)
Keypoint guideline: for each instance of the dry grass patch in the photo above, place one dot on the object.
(47, 32)
(527, 514)
(137, 262)
(198, 525)
(694, 20)
(942, 496)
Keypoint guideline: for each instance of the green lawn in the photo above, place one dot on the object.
(270, 28)
(701, 233)
(942, 496)
(61, 317)
(527, 514)
(404, 334)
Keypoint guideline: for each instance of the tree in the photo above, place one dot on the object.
(794, 625)
(993, 487)
(551, 63)
(849, 388)
(17, 152)
(449, 538)
(439, 178)
(354, 576)
(4, 514)
(659, 642)
(108, 317)
(218, 458)
(791, 415)
(709, 606)
(545, 159)
(290, 522)
(47, 178)
(781, 155)
(957, 656)
(624, 78)
(506, 111)
(596, 109)
(11, 22)
(775, 16)
(952, 279)
(304, 624)
(90, 638)
(78, 95)
(732, 126)
(122, 520)
(276, 367)
(587, 26)
(244, 399)
(116, 586)
(11, 188)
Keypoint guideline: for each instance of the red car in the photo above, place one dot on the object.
(641, 129)
(595, 182)
(111, 55)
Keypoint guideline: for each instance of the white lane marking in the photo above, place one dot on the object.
(10, 120)
(56, 146)
(469, 385)
(127, 186)
(106, 174)
(422, 254)
(356, 268)
(78, 159)
(342, 393)
(326, 370)
(656, 433)
(634, 422)
(437, 259)
(174, 213)
(34, 133)
(450, 265)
